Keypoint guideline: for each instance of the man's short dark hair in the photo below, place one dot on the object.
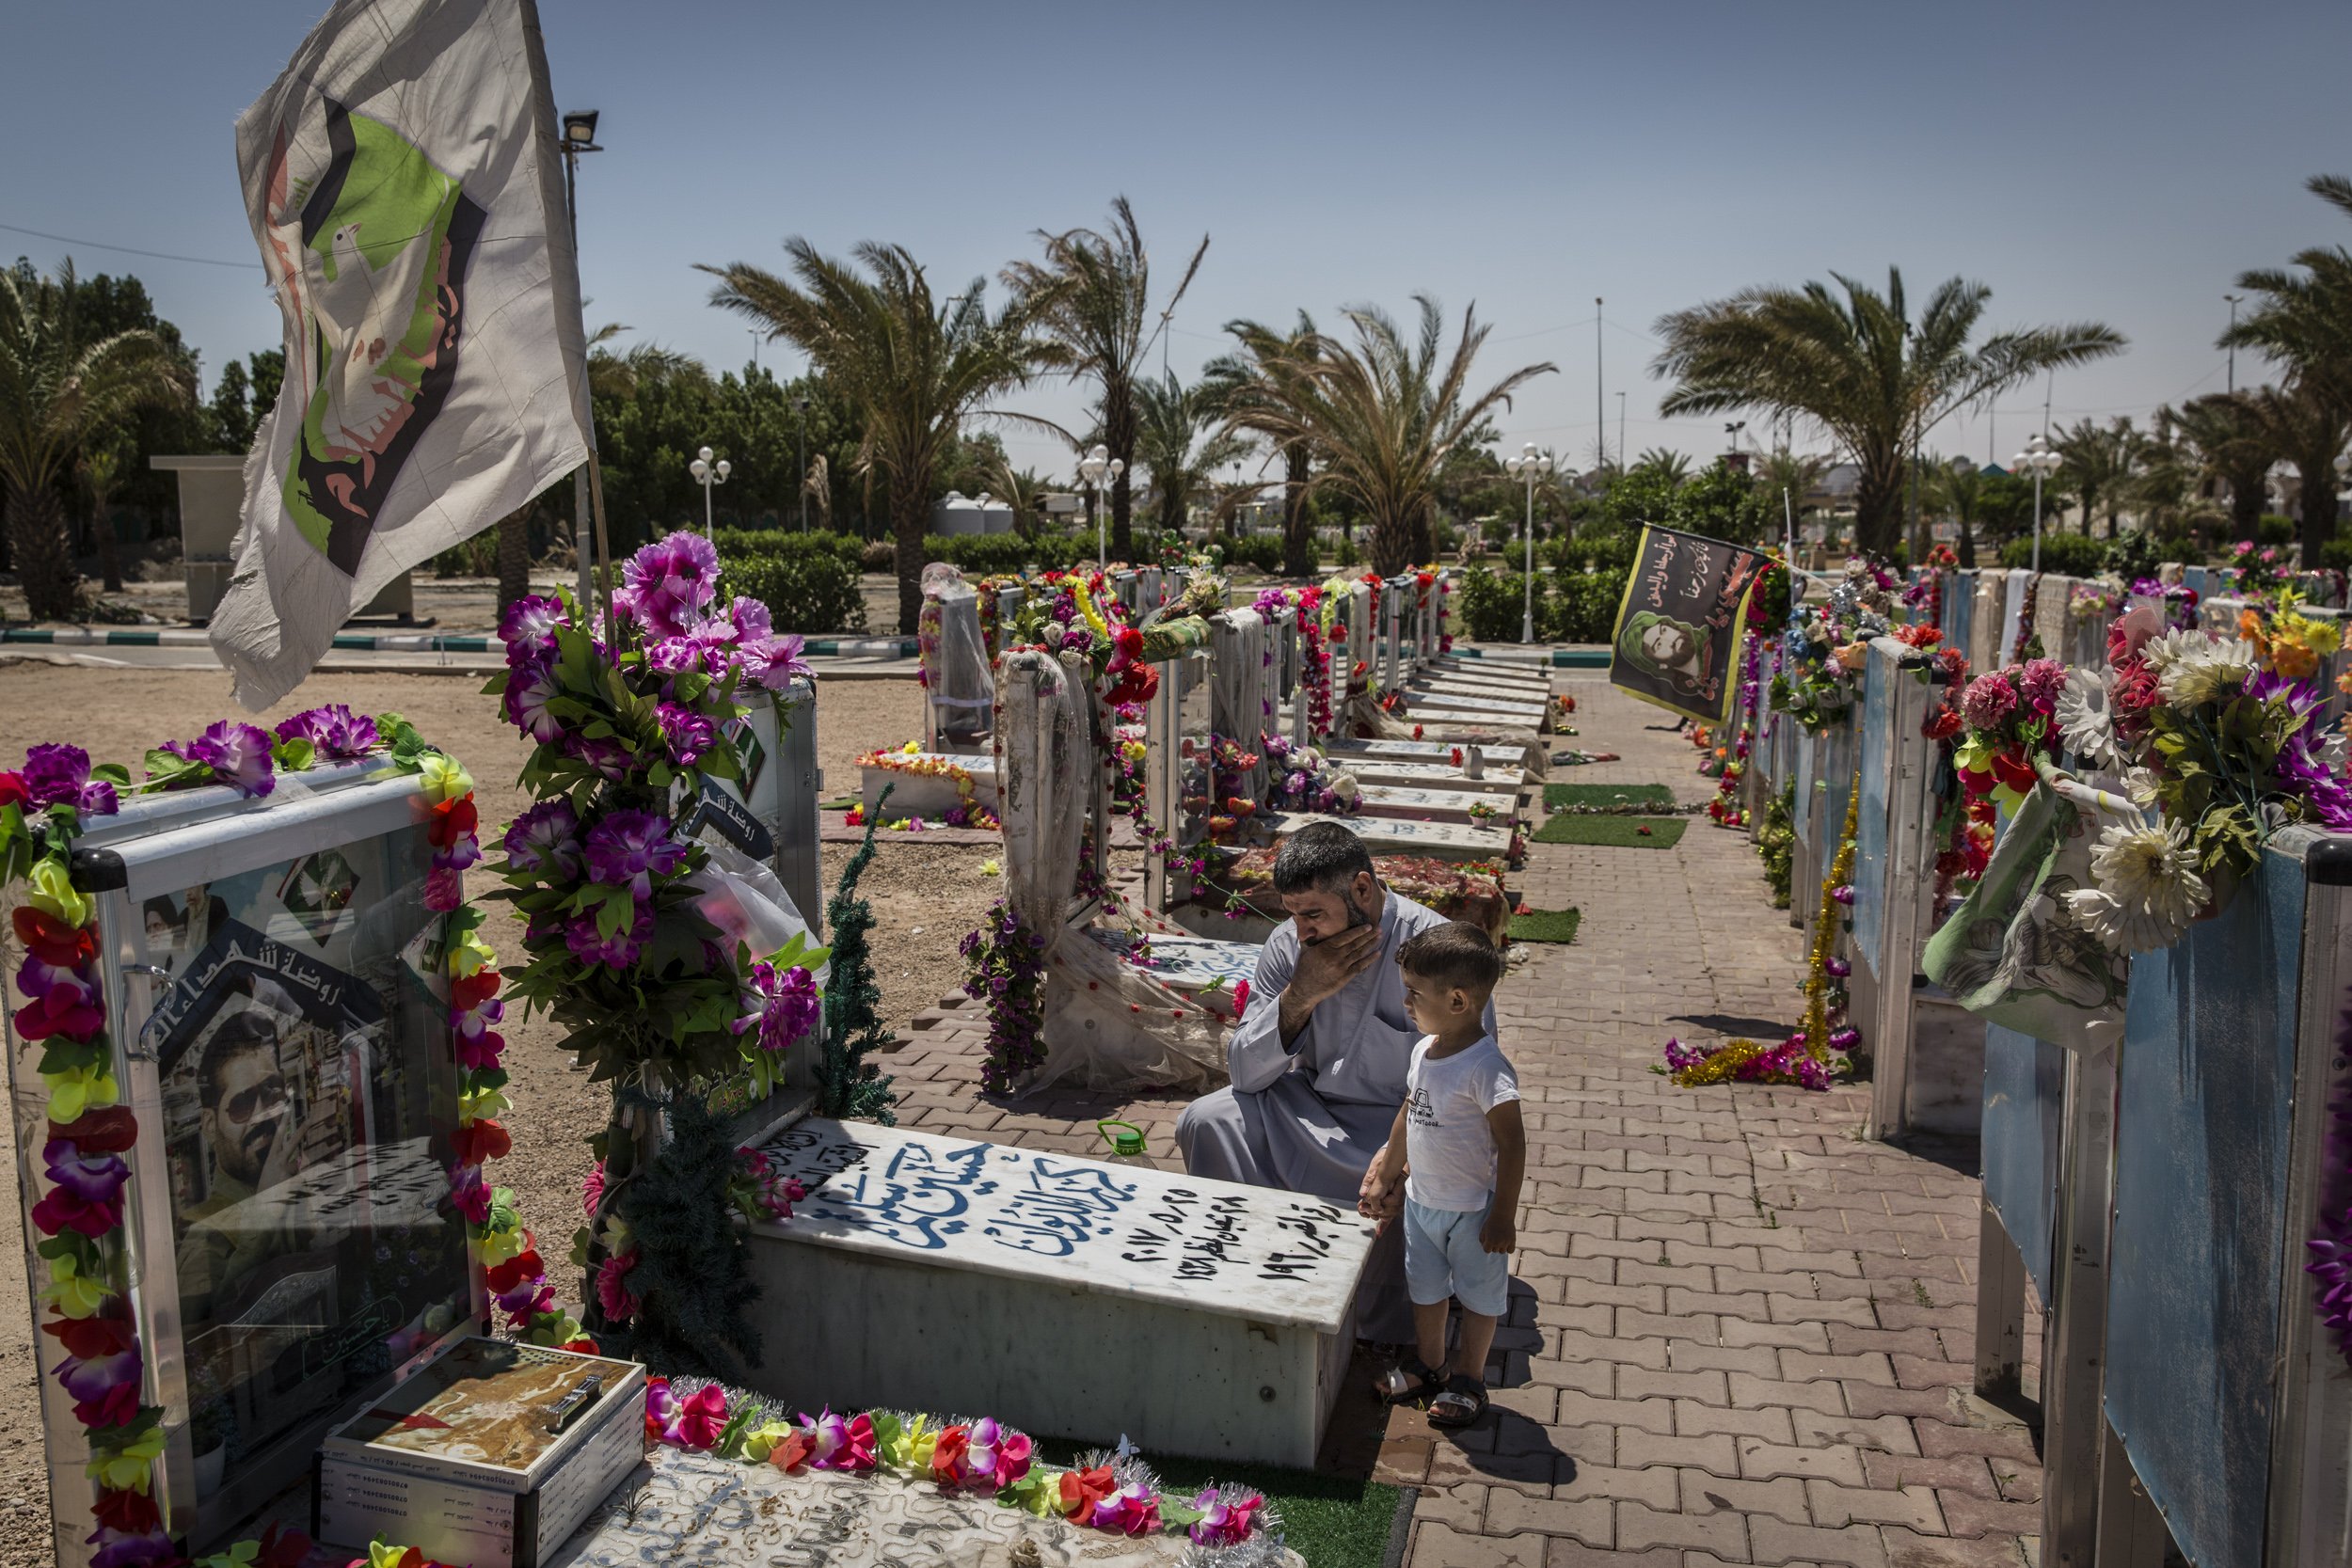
(1321, 857)
(245, 1033)
(1457, 954)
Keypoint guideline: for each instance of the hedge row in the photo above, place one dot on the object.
(1570, 607)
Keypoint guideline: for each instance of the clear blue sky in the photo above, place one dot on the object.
(2087, 161)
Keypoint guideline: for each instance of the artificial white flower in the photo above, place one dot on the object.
(2162, 652)
(2214, 673)
(2148, 888)
(2085, 720)
(1342, 785)
(2141, 784)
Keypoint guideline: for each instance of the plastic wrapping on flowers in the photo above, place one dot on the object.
(1820, 652)
(82, 1281)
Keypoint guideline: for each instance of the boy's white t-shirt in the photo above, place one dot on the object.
(1449, 1148)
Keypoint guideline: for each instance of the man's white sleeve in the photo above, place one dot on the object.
(1253, 1052)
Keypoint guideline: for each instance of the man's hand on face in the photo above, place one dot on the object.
(1326, 966)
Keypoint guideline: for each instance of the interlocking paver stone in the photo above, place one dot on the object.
(1734, 1311)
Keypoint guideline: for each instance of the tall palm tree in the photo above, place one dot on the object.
(1383, 413)
(2306, 426)
(1171, 420)
(2304, 320)
(1023, 489)
(1957, 488)
(105, 455)
(59, 388)
(1861, 368)
(2098, 461)
(914, 369)
(1247, 385)
(1091, 293)
(2233, 446)
(1666, 464)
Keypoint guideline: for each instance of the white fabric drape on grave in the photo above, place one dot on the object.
(961, 687)
(1108, 1024)
(1238, 644)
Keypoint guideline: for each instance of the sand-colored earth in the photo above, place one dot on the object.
(924, 896)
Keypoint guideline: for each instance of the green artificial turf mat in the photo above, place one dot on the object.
(1332, 1521)
(1617, 833)
(1559, 795)
(1544, 926)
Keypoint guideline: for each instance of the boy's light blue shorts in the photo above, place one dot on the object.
(1442, 1259)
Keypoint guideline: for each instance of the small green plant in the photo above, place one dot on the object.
(847, 1084)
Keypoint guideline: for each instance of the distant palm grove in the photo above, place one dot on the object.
(1355, 435)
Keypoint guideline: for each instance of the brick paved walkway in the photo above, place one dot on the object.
(1739, 1333)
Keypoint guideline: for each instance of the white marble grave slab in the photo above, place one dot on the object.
(1449, 841)
(1503, 782)
(1536, 675)
(1346, 751)
(1071, 1297)
(1188, 963)
(1422, 700)
(1436, 805)
(1123, 1231)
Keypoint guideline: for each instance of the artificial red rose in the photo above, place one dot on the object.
(1128, 640)
(1082, 1489)
(468, 992)
(2015, 770)
(111, 1130)
(51, 940)
(948, 1456)
(582, 1344)
(132, 1513)
(1941, 724)
(12, 791)
(485, 1140)
(92, 1338)
(526, 1264)
(452, 821)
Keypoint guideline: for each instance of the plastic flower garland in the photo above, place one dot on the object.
(80, 1220)
(967, 812)
(1315, 612)
(1006, 972)
(1234, 1527)
(2286, 642)
(2330, 1244)
(1817, 1053)
(1820, 662)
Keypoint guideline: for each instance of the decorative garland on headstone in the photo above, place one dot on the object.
(80, 1219)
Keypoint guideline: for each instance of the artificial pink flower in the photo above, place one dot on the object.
(612, 1295)
(839, 1443)
(469, 1194)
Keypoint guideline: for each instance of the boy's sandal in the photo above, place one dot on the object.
(1461, 1405)
(1409, 1380)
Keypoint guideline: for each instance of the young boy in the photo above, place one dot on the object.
(1460, 1147)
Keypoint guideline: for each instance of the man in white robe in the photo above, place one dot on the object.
(1319, 1056)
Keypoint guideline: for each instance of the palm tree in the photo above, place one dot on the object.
(57, 391)
(1246, 386)
(2306, 426)
(1382, 413)
(1666, 464)
(1170, 418)
(1861, 368)
(1022, 489)
(2232, 444)
(105, 454)
(2099, 461)
(2304, 320)
(1092, 295)
(913, 371)
(1957, 488)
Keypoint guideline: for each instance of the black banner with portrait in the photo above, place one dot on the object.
(1677, 642)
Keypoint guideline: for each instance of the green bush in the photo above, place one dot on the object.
(2271, 528)
(1489, 604)
(775, 541)
(2070, 554)
(1600, 546)
(2336, 555)
(1348, 556)
(1261, 552)
(805, 590)
(477, 557)
(1584, 605)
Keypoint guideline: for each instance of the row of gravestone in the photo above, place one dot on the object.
(2159, 1193)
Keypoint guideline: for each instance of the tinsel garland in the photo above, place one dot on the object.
(1814, 1056)
(1835, 891)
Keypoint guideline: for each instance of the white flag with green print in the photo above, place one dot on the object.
(403, 183)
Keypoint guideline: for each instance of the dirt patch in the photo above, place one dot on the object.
(925, 898)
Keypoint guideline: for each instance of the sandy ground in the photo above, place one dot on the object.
(924, 897)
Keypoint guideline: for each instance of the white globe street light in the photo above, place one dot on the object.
(1529, 467)
(707, 474)
(2038, 460)
(1094, 467)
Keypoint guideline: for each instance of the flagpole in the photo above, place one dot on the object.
(604, 549)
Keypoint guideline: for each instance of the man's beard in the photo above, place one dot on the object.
(252, 1150)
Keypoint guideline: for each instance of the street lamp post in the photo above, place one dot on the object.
(1529, 467)
(579, 135)
(1094, 467)
(707, 474)
(2039, 461)
(800, 406)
